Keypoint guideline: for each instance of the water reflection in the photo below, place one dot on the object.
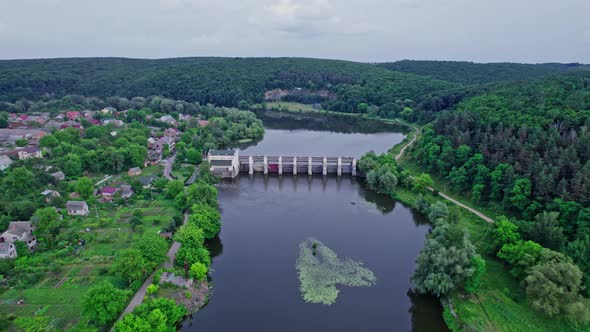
(426, 314)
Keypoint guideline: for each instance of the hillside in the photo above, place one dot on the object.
(468, 73)
(221, 81)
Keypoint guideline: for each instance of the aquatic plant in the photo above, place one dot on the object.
(320, 271)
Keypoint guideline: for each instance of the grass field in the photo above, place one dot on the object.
(55, 297)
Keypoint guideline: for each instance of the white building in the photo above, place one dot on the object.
(20, 231)
(7, 250)
(5, 162)
(224, 163)
(77, 208)
(28, 153)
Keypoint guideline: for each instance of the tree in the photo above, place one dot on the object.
(130, 265)
(48, 224)
(19, 180)
(173, 188)
(547, 231)
(505, 232)
(446, 261)
(438, 210)
(72, 165)
(193, 156)
(200, 192)
(103, 303)
(206, 217)
(84, 187)
(189, 234)
(554, 289)
(479, 265)
(48, 141)
(198, 271)
(422, 183)
(153, 248)
(522, 255)
(21, 142)
(520, 193)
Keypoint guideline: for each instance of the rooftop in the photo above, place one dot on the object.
(76, 205)
(222, 152)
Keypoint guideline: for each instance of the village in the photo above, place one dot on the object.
(103, 186)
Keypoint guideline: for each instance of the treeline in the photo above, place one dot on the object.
(469, 73)
(219, 81)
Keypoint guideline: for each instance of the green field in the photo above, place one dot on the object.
(54, 297)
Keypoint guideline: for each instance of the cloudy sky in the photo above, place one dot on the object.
(362, 30)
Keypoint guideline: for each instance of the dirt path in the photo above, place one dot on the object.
(140, 294)
(168, 167)
(441, 194)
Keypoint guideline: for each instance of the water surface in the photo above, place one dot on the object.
(266, 218)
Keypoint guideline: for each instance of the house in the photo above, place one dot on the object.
(52, 124)
(5, 162)
(58, 175)
(18, 125)
(154, 156)
(151, 142)
(146, 181)
(20, 231)
(71, 124)
(107, 110)
(50, 194)
(28, 153)
(203, 123)
(114, 122)
(126, 191)
(135, 171)
(73, 115)
(224, 163)
(7, 250)
(169, 120)
(77, 208)
(163, 141)
(171, 132)
(107, 193)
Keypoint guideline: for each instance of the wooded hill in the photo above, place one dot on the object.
(469, 73)
(220, 81)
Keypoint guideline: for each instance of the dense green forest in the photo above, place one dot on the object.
(525, 147)
(414, 90)
(468, 73)
(220, 81)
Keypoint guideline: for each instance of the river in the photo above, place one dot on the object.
(267, 218)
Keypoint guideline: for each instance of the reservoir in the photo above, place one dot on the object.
(361, 246)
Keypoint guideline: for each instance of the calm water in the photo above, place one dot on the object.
(265, 218)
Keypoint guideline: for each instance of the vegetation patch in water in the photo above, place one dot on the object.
(320, 270)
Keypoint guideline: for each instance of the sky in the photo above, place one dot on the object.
(530, 31)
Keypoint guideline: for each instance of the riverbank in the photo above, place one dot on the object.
(500, 303)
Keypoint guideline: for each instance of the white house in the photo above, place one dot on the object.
(7, 250)
(20, 231)
(224, 163)
(77, 208)
(5, 162)
(28, 153)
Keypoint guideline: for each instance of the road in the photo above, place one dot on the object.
(193, 177)
(168, 167)
(441, 194)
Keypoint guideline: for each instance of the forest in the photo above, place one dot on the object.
(414, 90)
(526, 149)
(220, 81)
(469, 73)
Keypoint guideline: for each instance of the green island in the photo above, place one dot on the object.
(118, 215)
